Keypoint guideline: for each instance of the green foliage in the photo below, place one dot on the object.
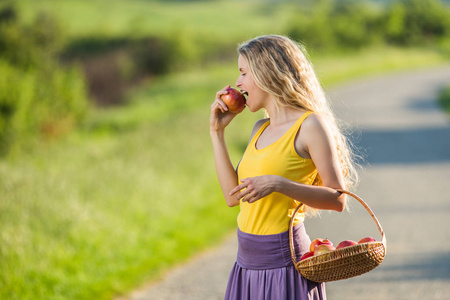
(29, 46)
(350, 24)
(38, 97)
(113, 65)
(444, 98)
(356, 24)
(148, 55)
(312, 25)
(413, 22)
(38, 103)
(329, 24)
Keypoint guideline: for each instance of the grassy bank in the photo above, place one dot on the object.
(162, 18)
(134, 191)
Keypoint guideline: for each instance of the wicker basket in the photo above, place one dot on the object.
(341, 263)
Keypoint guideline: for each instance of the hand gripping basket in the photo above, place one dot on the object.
(341, 263)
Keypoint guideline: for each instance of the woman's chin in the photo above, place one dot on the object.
(250, 107)
(253, 109)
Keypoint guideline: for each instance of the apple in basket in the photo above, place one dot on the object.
(346, 243)
(234, 100)
(318, 242)
(367, 239)
(324, 248)
(307, 255)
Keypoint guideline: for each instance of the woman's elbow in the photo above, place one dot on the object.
(340, 207)
(232, 202)
(340, 203)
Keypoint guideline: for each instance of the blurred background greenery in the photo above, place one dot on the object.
(106, 171)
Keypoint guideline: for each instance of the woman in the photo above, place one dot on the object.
(296, 155)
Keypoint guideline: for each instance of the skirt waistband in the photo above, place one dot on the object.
(270, 251)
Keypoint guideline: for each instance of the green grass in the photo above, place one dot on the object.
(224, 19)
(91, 217)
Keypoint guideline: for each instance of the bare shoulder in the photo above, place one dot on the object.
(314, 134)
(315, 124)
(314, 119)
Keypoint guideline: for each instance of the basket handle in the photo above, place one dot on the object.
(291, 223)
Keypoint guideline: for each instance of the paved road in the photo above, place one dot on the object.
(405, 180)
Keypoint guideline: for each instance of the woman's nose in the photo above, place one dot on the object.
(238, 82)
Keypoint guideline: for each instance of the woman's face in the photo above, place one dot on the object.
(256, 97)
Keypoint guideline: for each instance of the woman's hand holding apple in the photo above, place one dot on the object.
(221, 115)
(234, 100)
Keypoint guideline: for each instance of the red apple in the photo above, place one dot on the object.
(367, 239)
(307, 255)
(346, 243)
(324, 248)
(318, 242)
(234, 100)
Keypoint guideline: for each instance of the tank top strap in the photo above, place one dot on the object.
(300, 120)
(286, 137)
(259, 132)
(296, 127)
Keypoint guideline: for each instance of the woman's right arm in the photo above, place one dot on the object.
(220, 118)
(226, 174)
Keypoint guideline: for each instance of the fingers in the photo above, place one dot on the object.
(238, 188)
(250, 197)
(218, 103)
(245, 192)
(244, 185)
(222, 92)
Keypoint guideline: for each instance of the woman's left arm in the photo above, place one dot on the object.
(316, 139)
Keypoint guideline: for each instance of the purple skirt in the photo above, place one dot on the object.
(264, 269)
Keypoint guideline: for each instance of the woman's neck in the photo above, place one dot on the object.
(283, 114)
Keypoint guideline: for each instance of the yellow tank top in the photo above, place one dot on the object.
(271, 214)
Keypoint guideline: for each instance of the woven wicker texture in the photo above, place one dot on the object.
(345, 262)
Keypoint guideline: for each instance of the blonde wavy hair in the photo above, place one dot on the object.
(281, 67)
